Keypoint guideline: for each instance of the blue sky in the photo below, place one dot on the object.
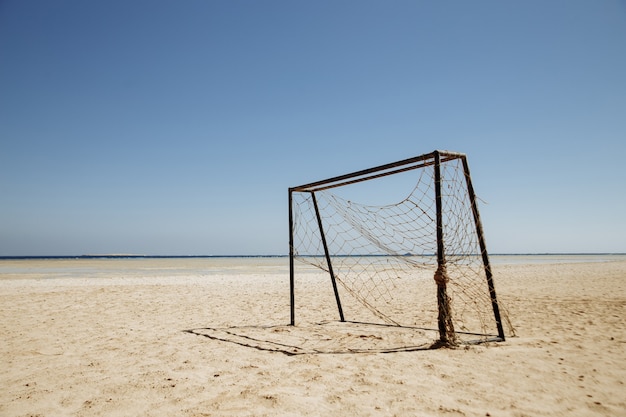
(176, 127)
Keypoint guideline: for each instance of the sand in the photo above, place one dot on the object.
(123, 344)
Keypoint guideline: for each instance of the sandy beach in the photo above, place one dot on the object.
(140, 339)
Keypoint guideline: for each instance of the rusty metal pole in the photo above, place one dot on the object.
(483, 249)
(444, 320)
(291, 271)
(327, 253)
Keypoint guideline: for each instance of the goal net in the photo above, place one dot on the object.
(402, 244)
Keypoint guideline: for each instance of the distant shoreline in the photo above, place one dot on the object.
(130, 256)
(139, 256)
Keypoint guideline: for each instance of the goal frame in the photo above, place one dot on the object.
(435, 159)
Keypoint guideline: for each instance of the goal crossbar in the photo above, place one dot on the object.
(379, 171)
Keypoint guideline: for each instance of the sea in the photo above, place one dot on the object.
(140, 266)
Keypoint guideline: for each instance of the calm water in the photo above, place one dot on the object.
(46, 268)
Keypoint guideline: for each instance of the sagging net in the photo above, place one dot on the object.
(383, 256)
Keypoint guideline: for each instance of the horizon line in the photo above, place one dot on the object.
(130, 256)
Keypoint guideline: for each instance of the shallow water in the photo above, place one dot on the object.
(145, 267)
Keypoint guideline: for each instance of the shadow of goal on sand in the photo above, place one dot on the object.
(325, 338)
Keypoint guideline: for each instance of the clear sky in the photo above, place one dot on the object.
(176, 127)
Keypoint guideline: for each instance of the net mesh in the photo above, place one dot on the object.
(383, 256)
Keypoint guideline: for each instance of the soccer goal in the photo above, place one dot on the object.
(402, 245)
